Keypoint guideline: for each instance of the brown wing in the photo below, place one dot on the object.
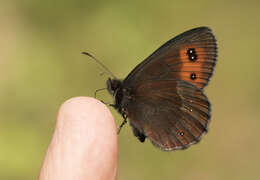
(172, 114)
(191, 56)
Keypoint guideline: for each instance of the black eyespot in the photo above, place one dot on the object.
(192, 54)
(193, 76)
(182, 133)
(191, 51)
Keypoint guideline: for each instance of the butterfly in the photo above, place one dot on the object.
(163, 96)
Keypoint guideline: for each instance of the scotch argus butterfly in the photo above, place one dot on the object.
(163, 96)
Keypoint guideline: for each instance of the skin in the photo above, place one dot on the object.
(84, 143)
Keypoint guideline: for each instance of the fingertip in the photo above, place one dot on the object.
(84, 142)
(87, 104)
(93, 118)
(90, 111)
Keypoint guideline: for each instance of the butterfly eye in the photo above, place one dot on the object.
(193, 76)
(192, 54)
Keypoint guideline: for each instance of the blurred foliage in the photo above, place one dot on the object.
(41, 67)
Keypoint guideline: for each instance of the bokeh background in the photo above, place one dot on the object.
(41, 66)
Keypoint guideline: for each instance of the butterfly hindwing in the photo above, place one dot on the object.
(172, 114)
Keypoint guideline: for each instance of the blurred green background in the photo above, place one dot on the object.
(41, 66)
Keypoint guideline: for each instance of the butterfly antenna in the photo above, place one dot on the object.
(99, 62)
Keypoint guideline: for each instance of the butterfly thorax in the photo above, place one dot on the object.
(121, 95)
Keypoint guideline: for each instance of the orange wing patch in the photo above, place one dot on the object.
(194, 63)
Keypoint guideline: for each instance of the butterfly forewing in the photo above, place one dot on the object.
(191, 57)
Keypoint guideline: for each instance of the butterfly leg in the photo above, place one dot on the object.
(95, 94)
(108, 104)
(122, 124)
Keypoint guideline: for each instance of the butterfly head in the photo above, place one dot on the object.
(113, 85)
